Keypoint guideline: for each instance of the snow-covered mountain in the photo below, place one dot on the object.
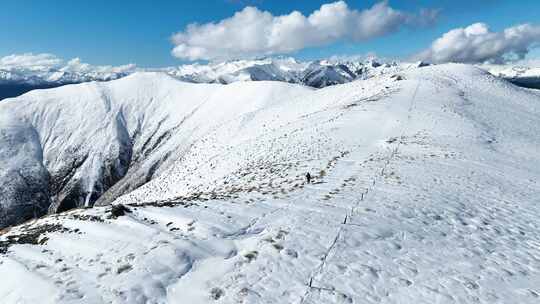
(278, 69)
(425, 190)
(316, 74)
(92, 142)
(520, 74)
(16, 81)
(59, 76)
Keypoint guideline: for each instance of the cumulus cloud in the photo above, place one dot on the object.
(44, 65)
(253, 32)
(29, 61)
(76, 66)
(476, 44)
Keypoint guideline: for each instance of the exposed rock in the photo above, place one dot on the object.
(119, 210)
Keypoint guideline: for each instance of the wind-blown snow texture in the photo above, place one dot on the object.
(425, 191)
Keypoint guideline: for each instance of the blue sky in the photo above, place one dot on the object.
(119, 32)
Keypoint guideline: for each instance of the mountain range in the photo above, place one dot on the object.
(424, 189)
(317, 74)
(17, 81)
(519, 74)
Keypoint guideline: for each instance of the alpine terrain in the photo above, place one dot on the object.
(521, 75)
(318, 74)
(424, 188)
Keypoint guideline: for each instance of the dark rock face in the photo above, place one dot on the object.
(526, 82)
(31, 235)
(323, 76)
(33, 184)
(24, 185)
(119, 210)
(67, 190)
(30, 193)
(32, 187)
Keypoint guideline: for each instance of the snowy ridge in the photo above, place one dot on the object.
(316, 74)
(425, 191)
(48, 75)
(525, 75)
(89, 137)
(276, 69)
(14, 82)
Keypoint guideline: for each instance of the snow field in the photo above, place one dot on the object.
(431, 199)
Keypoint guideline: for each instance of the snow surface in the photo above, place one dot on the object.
(525, 73)
(425, 191)
(73, 72)
(319, 74)
(22, 73)
(15, 80)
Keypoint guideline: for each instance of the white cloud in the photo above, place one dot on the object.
(252, 32)
(30, 61)
(48, 66)
(76, 66)
(476, 44)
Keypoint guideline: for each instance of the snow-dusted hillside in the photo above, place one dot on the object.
(61, 76)
(16, 80)
(425, 191)
(79, 142)
(521, 75)
(316, 74)
(74, 143)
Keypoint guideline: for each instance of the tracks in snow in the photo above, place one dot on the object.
(312, 283)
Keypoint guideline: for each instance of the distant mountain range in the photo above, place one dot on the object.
(521, 75)
(317, 74)
(424, 186)
(16, 82)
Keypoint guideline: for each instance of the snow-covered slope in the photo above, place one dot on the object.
(278, 69)
(39, 69)
(425, 191)
(14, 82)
(316, 74)
(109, 138)
(84, 139)
(522, 75)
